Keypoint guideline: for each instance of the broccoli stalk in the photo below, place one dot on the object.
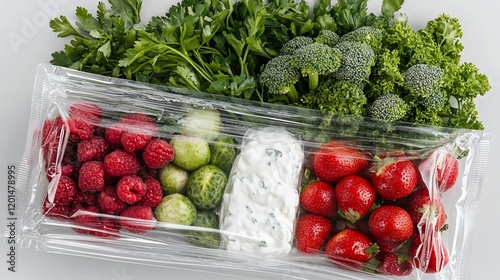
(314, 60)
(280, 77)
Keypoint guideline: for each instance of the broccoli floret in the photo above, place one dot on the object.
(370, 35)
(434, 101)
(280, 77)
(422, 79)
(357, 61)
(294, 44)
(327, 37)
(314, 60)
(336, 98)
(389, 107)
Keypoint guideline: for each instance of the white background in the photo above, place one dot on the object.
(26, 41)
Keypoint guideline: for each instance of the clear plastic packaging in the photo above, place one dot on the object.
(140, 173)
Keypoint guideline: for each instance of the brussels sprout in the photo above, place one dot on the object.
(200, 238)
(206, 186)
(173, 179)
(177, 209)
(204, 123)
(190, 153)
(223, 153)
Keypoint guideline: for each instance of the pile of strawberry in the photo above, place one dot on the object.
(103, 177)
(375, 212)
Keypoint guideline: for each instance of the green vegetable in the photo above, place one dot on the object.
(176, 209)
(422, 79)
(173, 179)
(315, 60)
(206, 186)
(327, 37)
(280, 77)
(223, 153)
(203, 123)
(190, 153)
(369, 35)
(337, 98)
(204, 238)
(294, 44)
(388, 108)
(357, 61)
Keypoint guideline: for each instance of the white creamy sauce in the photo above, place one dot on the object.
(259, 207)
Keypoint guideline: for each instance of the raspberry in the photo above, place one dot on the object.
(94, 148)
(84, 216)
(91, 177)
(109, 201)
(115, 132)
(106, 228)
(82, 120)
(55, 210)
(158, 153)
(140, 130)
(85, 198)
(153, 195)
(51, 136)
(137, 219)
(130, 189)
(120, 163)
(64, 191)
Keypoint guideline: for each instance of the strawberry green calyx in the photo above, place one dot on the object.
(371, 265)
(350, 215)
(380, 164)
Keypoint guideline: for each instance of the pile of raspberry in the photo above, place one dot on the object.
(104, 177)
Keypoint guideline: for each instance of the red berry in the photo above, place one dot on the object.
(440, 167)
(115, 132)
(319, 198)
(137, 219)
(55, 210)
(65, 191)
(423, 210)
(109, 202)
(394, 178)
(140, 130)
(120, 163)
(94, 148)
(429, 255)
(83, 119)
(334, 160)
(391, 223)
(350, 247)
(311, 232)
(105, 228)
(355, 197)
(395, 264)
(130, 189)
(52, 132)
(85, 217)
(85, 198)
(91, 177)
(158, 153)
(154, 193)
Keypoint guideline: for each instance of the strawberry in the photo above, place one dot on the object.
(429, 256)
(334, 160)
(311, 232)
(444, 166)
(423, 210)
(390, 223)
(319, 198)
(394, 178)
(395, 264)
(350, 247)
(355, 197)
